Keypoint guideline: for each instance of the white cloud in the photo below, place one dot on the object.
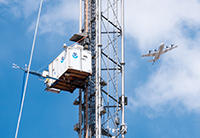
(29, 6)
(56, 16)
(59, 17)
(154, 21)
(18, 8)
(174, 85)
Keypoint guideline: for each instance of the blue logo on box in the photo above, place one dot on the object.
(75, 55)
(62, 59)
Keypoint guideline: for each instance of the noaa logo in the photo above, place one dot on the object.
(74, 55)
(62, 59)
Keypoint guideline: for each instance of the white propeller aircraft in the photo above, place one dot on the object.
(156, 54)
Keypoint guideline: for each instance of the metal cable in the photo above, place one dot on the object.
(29, 66)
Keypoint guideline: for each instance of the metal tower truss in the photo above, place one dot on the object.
(104, 99)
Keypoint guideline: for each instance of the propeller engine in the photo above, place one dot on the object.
(149, 52)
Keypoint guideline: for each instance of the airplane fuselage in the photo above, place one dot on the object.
(157, 56)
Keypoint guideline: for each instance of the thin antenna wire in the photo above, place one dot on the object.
(29, 66)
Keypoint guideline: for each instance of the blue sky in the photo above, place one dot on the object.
(163, 98)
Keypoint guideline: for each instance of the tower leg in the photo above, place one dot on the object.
(80, 113)
(86, 109)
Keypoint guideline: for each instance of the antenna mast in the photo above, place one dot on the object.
(104, 98)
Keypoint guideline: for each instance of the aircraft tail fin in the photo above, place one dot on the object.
(150, 60)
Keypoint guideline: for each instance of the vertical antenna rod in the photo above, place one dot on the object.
(29, 66)
(122, 63)
(86, 16)
(99, 67)
(80, 16)
(96, 73)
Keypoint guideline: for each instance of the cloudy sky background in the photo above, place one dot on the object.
(163, 98)
(174, 83)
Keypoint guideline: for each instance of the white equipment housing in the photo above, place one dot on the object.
(71, 67)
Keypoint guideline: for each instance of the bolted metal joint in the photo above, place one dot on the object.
(99, 45)
(123, 129)
(117, 120)
(102, 110)
(125, 100)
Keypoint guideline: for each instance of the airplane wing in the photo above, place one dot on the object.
(166, 50)
(149, 55)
